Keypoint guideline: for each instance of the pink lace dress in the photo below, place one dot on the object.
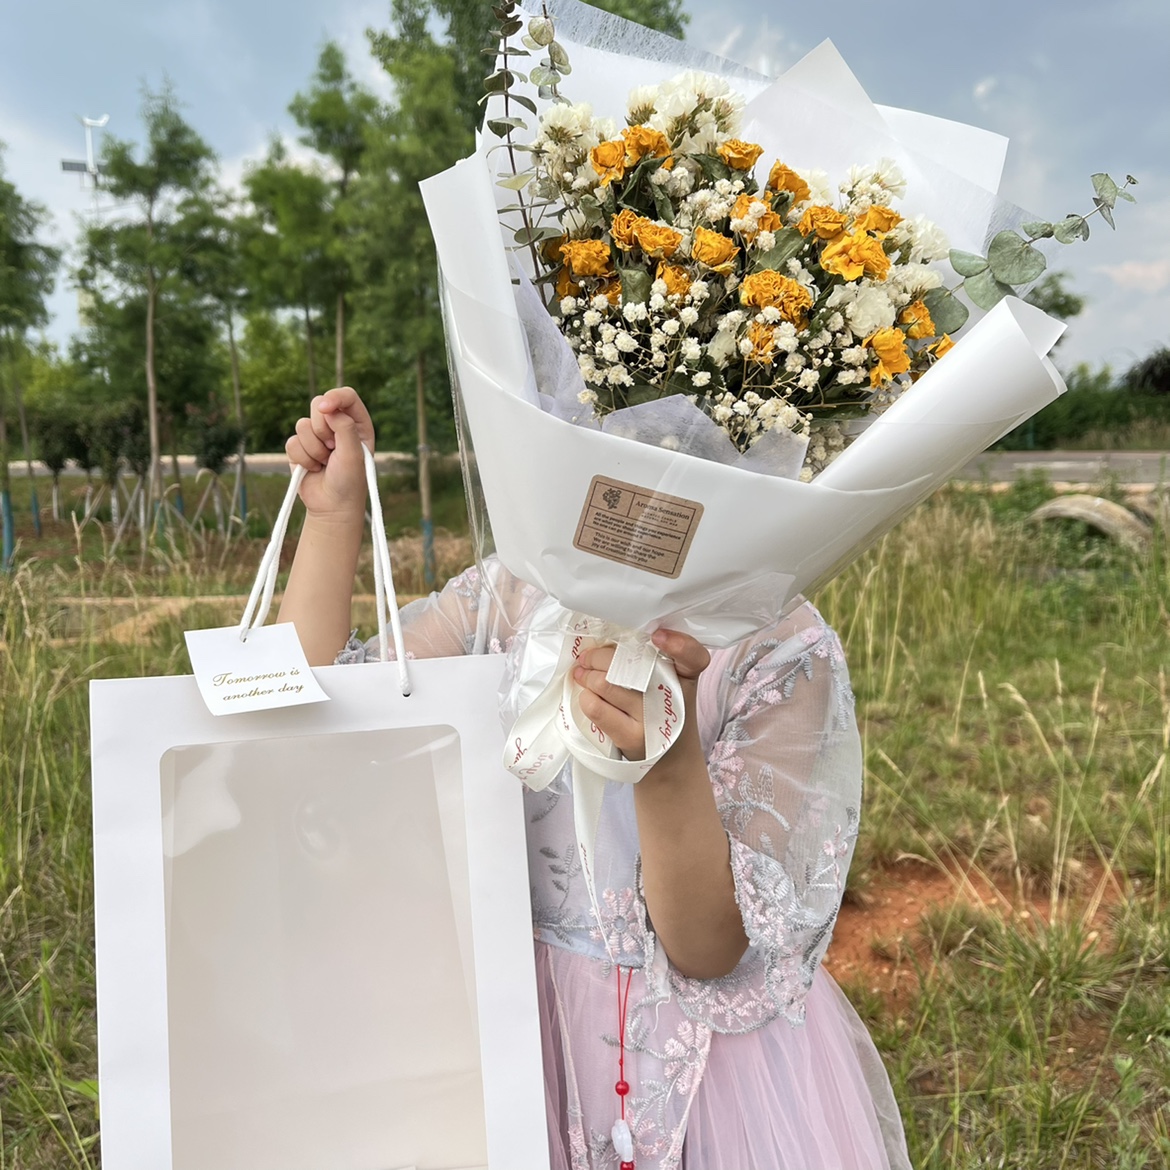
(768, 1068)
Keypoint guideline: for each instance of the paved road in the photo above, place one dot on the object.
(1071, 466)
(995, 466)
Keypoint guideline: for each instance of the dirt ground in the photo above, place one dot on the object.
(879, 943)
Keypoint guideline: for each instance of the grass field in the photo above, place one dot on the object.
(1013, 696)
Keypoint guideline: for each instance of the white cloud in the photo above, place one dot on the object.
(982, 89)
(1151, 276)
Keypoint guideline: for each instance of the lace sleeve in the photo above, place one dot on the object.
(471, 615)
(785, 762)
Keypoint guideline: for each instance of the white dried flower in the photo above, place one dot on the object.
(701, 378)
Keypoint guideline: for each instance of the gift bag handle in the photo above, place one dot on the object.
(260, 599)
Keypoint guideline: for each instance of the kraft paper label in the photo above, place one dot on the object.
(636, 526)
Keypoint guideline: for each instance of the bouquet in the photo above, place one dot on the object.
(774, 302)
(646, 284)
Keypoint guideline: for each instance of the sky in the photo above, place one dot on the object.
(1074, 85)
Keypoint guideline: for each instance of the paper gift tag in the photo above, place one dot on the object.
(267, 670)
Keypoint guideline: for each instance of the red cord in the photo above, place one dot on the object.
(622, 1087)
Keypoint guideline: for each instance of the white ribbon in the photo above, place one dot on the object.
(260, 600)
(553, 730)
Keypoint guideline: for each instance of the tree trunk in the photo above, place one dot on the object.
(156, 482)
(34, 503)
(7, 521)
(339, 371)
(56, 497)
(424, 474)
(240, 491)
(180, 503)
(309, 352)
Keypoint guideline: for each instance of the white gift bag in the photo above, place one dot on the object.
(314, 945)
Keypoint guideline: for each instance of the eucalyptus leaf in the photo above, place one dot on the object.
(636, 284)
(967, 263)
(521, 100)
(498, 81)
(516, 182)
(1038, 229)
(1013, 260)
(529, 43)
(788, 243)
(533, 235)
(948, 313)
(662, 204)
(500, 126)
(591, 209)
(511, 27)
(985, 291)
(542, 76)
(1072, 227)
(712, 166)
(1124, 194)
(541, 30)
(558, 56)
(1104, 209)
(1105, 188)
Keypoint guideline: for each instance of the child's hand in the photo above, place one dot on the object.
(328, 444)
(618, 711)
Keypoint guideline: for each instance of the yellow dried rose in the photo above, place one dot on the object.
(889, 346)
(551, 249)
(655, 239)
(588, 257)
(642, 141)
(768, 289)
(675, 277)
(768, 222)
(609, 160)
(782, 178)
(566, 285)
(621, 228)
(763, 339)
(877, 219)
(612, 289)
(916, 317)
(714, 250)
(740, 155)
(855, 255)
(827, 222)
(942, 347)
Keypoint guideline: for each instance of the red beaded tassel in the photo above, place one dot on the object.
(623, 1140)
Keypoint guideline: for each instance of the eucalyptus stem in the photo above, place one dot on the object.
(524, 216)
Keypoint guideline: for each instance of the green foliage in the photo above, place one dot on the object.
(27, 266)
(1151, 375)
(1013, 261)
(1093, 404)
(215, 437)
(273, 374)
(1050, 294)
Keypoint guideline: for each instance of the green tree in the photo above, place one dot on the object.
(27, 268)
(288, 242)
(335, 115)
(140, 256)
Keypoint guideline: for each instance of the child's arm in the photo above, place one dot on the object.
(686, 861)
(328, 444)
